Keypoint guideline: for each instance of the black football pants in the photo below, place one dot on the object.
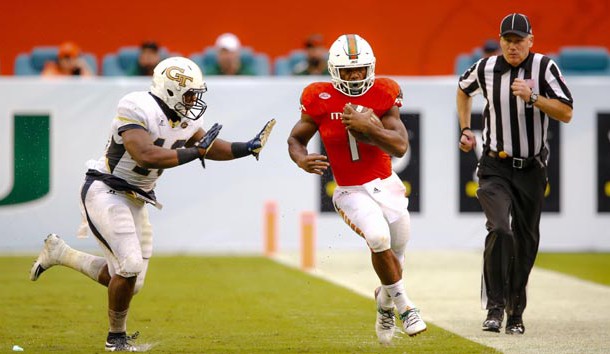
(512, 201)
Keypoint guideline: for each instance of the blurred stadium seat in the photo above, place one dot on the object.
(284, 65)
(584, 60)
(572, 60)
(126, 58)
(259, 62)
(32, 63)
(465, 60)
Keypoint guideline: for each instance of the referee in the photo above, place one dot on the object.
(523, 91)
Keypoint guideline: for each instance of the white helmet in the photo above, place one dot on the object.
(351, 51)
(178, 82)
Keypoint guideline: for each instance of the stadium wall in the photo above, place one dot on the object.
(409, 37)
(220, 209)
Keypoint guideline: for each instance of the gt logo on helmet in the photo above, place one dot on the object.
(178, 82)
(177, 76)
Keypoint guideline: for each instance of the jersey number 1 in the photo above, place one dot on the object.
(353, 146)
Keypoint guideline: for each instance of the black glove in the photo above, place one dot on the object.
(207, 140)
(258, 142)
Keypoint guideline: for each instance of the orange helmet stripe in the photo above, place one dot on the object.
(352, 46)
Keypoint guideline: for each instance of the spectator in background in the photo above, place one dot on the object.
(490, 48)
(148, 58)
(228, 57)
(69, 62)
(315, 62)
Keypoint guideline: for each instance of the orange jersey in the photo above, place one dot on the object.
(352, 162)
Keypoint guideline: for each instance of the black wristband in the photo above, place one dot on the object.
(463, 129)
(187, 155)
(240, 150)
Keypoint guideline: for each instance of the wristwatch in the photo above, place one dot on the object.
(533, 98)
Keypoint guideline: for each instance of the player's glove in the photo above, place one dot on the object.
(207, 140)
(258, 142)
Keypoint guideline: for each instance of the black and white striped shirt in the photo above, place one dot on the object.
(510, 124)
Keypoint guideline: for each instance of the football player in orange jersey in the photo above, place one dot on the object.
(369, 195)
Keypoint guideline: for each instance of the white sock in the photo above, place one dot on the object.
(399, 296)
(85, 263)
(384, 300)
(117, 320)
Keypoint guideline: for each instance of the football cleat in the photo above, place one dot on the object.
(384, 324)
(50, 255)
(412, 322)
(120, 342)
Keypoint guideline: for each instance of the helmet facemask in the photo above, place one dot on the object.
(192, 106)
(354, 88)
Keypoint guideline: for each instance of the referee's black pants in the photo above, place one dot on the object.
(512, 201)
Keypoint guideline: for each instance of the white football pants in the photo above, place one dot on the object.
(377, 211)
(121, 226)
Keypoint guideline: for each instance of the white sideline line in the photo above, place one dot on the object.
(564, 314)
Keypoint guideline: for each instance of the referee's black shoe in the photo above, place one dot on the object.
(514, 325)
(493, 322)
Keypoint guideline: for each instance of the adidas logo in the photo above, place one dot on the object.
(376, 190)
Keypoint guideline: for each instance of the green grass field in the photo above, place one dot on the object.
(594, 267)
(221, 305)
(202, 305)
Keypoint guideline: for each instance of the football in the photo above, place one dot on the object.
(361, 136)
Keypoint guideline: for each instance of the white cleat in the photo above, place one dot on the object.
(412, 323)
(385, 324)
(53, 248)
(122, 343)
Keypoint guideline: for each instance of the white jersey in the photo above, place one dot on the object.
(139, 110)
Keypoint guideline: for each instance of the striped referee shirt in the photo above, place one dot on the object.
(510, 124)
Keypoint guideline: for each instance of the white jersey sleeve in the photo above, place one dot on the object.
(139, 110)
(130, 114)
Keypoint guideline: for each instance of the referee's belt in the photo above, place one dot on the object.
(517, 162)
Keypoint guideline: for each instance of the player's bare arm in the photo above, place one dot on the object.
(554, 108)
(464, 109)
(220, 151)
(141, 148)
(223, 150)
(363, 120)
(300, 135)
(391, 136)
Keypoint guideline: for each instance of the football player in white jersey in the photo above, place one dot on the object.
(152, 131)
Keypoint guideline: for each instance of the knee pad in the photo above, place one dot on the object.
(139, 284)
(132, 266)
(141, 277)
(378, 242)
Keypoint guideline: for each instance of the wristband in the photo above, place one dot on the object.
(240, 150)
(464, 129)
(187, 155)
